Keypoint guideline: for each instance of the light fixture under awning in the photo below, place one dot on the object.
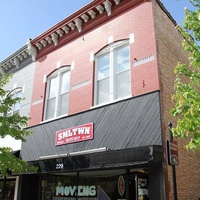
(76, 153)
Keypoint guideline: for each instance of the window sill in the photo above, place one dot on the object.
(92, 107)
(52, 119)
(110, 102)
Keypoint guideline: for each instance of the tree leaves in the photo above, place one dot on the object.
(10, 164)
(187, 83)
(14, 126)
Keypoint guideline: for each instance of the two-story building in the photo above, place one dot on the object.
(99, 108)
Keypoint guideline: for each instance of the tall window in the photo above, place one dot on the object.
(112, 73)
(57, 96)
(16, 93)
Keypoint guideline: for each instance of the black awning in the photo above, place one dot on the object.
(111, 129)
(138, 156)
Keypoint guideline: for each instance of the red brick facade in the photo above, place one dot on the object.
(134, 21)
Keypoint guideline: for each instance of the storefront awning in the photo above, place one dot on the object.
(131, 157)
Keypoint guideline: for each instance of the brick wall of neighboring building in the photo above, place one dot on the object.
(138, 22)
(170, 51)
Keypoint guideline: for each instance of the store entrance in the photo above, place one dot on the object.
(119, 184)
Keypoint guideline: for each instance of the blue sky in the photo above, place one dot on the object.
(23, 19)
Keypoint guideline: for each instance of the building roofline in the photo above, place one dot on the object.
(14, 61)
(166, 11)
(82, 20)
(74, 22)
(16, 53)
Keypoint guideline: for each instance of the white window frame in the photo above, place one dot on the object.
(13, 93)
(57, 73)
(111, 48)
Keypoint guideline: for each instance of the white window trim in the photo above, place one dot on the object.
(56, 73)
(16, 89)
(105, 50)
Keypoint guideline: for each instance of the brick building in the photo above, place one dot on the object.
(99, 108)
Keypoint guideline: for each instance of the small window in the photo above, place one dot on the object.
(57, 95)
(112, 68)
(16, 93)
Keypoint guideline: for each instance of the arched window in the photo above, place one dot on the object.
(112, 73)
(57, 93)
(15, 93)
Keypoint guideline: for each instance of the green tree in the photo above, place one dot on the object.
(13, 126)
(187, 83)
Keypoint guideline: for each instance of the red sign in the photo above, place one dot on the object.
(172, 149)
(121, 185)
(75, 134)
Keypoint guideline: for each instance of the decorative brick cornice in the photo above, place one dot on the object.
(74, 22)
(31, 50)
(14, 61)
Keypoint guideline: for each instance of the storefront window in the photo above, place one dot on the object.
(101, 185)
(142, 189)
(7, 189)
